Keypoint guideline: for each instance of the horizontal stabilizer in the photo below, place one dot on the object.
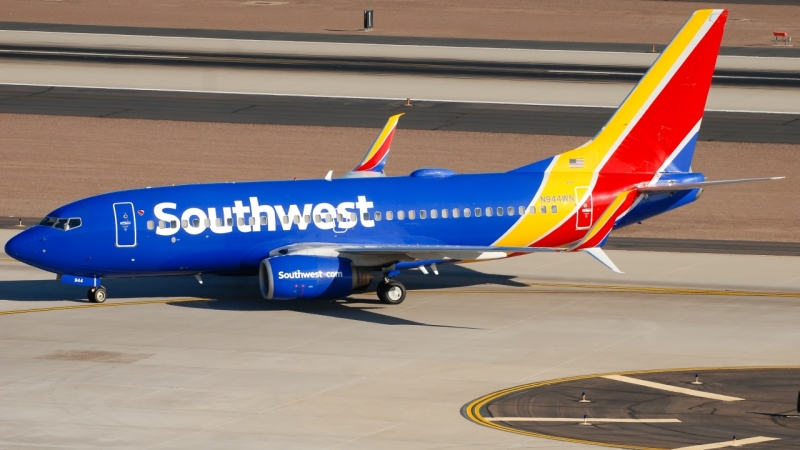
(686, 186)
(598, 254)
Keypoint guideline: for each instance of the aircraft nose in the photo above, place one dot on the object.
(21, 246)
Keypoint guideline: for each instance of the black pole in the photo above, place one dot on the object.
(368, 19)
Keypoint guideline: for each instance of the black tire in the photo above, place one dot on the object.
(97, 295)
(391, 292)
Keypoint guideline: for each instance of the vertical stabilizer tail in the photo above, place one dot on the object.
(655, 128)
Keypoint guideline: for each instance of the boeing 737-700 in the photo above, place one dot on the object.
(325, 238)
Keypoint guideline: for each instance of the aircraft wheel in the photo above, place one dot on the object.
(97, 294)
(392, 292)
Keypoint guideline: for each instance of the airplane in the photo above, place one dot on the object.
(327, 238)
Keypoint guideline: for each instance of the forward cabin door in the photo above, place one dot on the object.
(125, 223)
(585, 211)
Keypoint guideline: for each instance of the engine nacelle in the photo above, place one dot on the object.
(291, 277)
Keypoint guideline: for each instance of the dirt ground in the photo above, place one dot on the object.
(51, 160)
(638, 21)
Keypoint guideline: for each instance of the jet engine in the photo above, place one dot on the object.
(290, 277)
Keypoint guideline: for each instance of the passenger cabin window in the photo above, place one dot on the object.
(162, 225)
(499, 211)
(307, 218)
(285, 220)
(365, 216)
(554, 209)
(478, 212)
(151, 225)
(510, 210)
(467, 212)
(434, 214)
(544, 209)
(195, 223)
(185, 223)
(411, 214)
(456, 212)
(389, 215)
(219, 221)
(262, 220)
(296, 219)
(174, 224)
(423, 214)
(251, 221)
(207, 223)
(488, 211)
(521, 210)
(230, 221)
(378, 216)
(401, 215)
(444, 213)
(317, 218)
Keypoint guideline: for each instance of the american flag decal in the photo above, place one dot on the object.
(576, 163)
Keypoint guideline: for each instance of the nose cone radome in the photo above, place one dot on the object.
(21, 247)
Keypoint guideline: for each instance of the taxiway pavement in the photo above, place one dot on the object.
(168, 363)
(363, 85)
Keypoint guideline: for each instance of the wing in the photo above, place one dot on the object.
(378, 255)
(375, 159)
(686, 186)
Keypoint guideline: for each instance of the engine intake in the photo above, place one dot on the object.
(290, 277)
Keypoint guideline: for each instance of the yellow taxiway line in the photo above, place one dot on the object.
(104, 305)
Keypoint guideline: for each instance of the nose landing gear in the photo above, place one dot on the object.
(97, 294)
(391, 291)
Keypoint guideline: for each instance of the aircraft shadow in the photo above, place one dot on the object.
(454, 276)
(216, 292)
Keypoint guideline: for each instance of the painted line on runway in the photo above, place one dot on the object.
(472, 410)
(588, 419)
(102, 305)
(736, 443)
(670, 388)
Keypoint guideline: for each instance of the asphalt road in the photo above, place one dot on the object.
(365, 38)
(765, 406)
(348, 112)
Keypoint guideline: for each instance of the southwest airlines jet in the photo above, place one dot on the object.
(326, 238)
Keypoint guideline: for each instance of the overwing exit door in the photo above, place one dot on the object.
(125, 222)
(585, 211)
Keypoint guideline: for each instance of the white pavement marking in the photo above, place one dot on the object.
(737, 443)
(667, 387)
(567, 419)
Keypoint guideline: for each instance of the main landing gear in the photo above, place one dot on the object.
(97, 294)
(391, 291)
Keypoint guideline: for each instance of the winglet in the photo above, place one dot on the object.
(598, 254)
(375, 159)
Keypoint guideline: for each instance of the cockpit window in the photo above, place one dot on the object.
(48, 221)
(61, 224)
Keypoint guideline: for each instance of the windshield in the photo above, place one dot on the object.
(62, 224)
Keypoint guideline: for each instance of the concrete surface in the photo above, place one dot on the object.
(238, 372)
(361, 85)
(115, 43)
